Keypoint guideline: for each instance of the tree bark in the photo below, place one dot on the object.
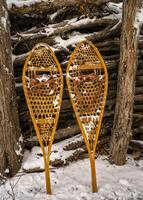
(10, 137)
(122, 132)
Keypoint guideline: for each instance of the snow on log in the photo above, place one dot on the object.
(23, 7)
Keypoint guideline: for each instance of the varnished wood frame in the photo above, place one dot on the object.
(91, 153)
(45, 156)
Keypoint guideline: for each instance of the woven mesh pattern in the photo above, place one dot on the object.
(86, 80)
(43, 88)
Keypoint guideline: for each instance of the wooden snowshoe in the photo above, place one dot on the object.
(87, 81)
(43, 86)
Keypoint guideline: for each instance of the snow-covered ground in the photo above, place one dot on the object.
(73, 182)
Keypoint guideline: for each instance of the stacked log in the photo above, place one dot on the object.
(62, 30)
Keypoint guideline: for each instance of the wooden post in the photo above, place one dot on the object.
(122, 127)
(10, 136)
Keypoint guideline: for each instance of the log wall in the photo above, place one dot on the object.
(103, 28)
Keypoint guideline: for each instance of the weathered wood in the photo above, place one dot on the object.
(108, 32)
(26, 42)
(45, 7)
(136, 145)
(64, 27)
